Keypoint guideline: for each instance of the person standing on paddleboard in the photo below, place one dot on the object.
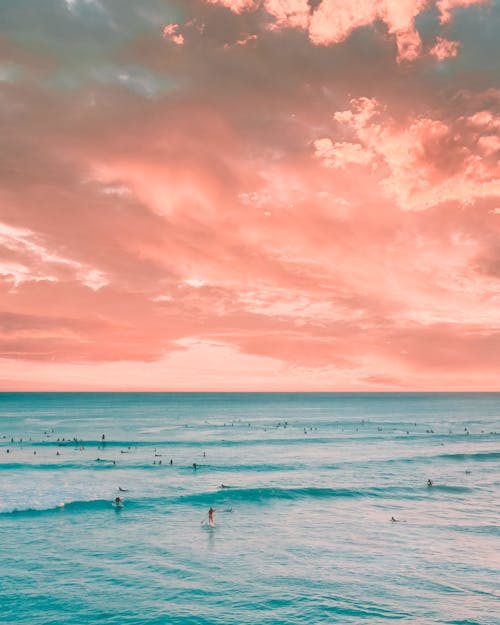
(211, 521)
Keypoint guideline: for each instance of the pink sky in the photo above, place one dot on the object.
(250, 195)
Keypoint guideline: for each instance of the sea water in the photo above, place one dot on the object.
(303, 530)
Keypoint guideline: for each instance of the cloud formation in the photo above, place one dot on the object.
(249, 195)
(423, 161)
(330, 22)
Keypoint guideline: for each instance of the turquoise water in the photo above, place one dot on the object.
(303, 534)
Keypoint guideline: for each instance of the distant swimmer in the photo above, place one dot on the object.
(195, 466)
(211, 521)
(123, 490)
(430, 483)
(118, 502)
(224, 486)
(393, 520)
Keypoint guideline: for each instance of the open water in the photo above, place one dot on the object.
(303, 534)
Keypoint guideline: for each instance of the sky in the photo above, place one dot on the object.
(250, 195)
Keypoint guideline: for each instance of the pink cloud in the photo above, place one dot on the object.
(342, 154)
(489, 144)
(235, 5)
(485, 119)
(170, 33)
(413, 158)
(254, 222)
(445, 49)
(289, 13)
(243, 41)
(332, 21)
(445, 7)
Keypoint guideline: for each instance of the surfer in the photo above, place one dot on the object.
(211, 521)
(123, 490)
(393, 520)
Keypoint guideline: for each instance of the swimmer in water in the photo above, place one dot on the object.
(118, 502)
(430, 483)
(123, 490)
(211, 521)
(393, 520)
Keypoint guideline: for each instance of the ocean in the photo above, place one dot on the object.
(304, 486)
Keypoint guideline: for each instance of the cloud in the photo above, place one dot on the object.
(170, 32)
(342, 154)
(236, 5)
(289, 13)
(445, 49)
(247, 205)
(38, 263)
(445, 7)
(333, 21)
(329, 22)
(422, 161)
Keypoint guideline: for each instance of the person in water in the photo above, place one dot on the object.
(211, 521)
(118, 502)
(430, 483)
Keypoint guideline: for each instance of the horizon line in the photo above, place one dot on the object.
(250, 392)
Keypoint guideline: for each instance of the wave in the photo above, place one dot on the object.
(20, 466)
(126, 461)
(230, 495)
(267, 439)
(479, 456)
(256, 495)
(70, 506)
(264, 494)
(121, 463)
(233, 495)
(130, 445)
(450, 488)
(469, 457)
